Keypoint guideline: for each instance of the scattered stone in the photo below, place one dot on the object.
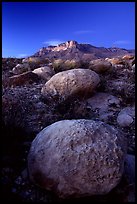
(77, 158)
(126, 117)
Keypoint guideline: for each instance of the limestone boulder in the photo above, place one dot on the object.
(44, 72)
(103, 105)
(71, 83)
(126, 121)
(20, 68)
(75, 158)
(100, 65)
(126, 117)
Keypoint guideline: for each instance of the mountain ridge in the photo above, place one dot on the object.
(74, 50)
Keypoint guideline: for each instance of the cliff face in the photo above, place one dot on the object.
(73, 50)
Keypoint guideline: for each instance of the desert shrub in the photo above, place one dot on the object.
(84, 64)
(61, 65)
(71, 64)
(35, 62)
(58, 65)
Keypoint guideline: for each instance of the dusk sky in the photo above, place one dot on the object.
(28, 26)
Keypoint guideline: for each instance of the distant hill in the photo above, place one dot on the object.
(73, 50)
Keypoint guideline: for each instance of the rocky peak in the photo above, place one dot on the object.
(64, 46)
(71, 43)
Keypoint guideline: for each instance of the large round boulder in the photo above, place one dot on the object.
(76, 82)
(77, 158)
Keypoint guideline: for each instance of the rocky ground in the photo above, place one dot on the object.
(38, 93)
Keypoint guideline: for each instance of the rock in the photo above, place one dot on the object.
(126, 117)
(21, 79)
(71, 83)
(64, 46)
(77, 158)
(124, 120)
(44, 72)
(100, 65)
(20, 68)
(102, 101)
(103, 105)
(71, 43)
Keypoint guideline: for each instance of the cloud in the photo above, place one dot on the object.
(53, 42)
(79, 32)
(122, 42)
(22, 55)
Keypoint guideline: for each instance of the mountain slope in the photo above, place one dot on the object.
(72, 50)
